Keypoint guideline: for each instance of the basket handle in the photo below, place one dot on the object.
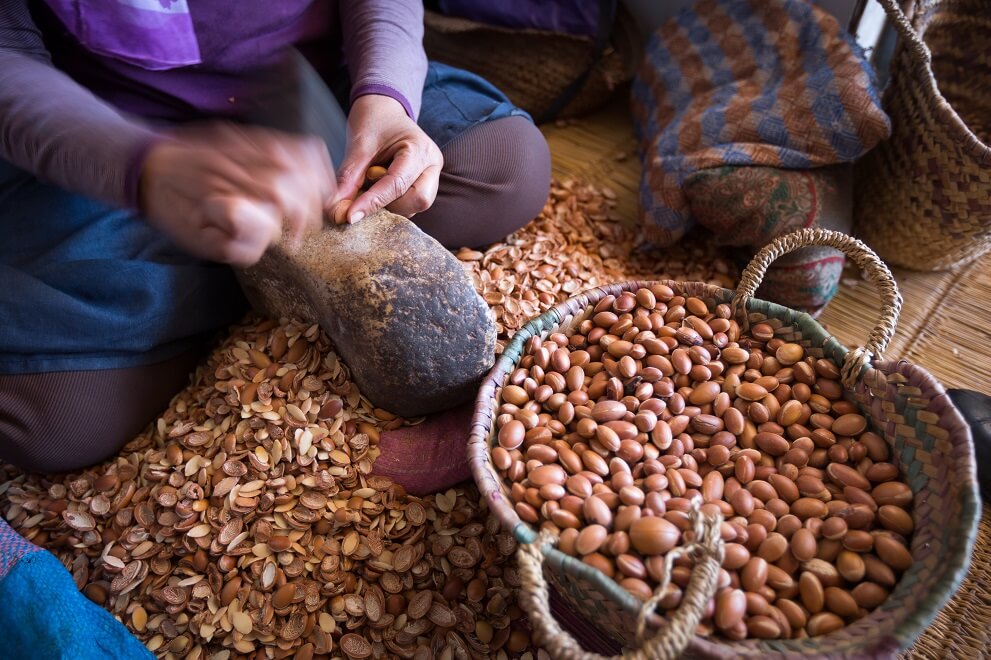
(910, 37)
(863, 256)
(707, 548)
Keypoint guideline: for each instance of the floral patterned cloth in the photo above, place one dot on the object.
(750, 206)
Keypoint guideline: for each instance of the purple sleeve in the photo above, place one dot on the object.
(57, 130)
(383, 44)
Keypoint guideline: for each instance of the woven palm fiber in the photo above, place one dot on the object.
(534, 67)
(963, 628)
(945, 324)
(945, 321)
(923, 195)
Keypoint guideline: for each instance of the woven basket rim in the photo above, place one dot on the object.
(906, 629)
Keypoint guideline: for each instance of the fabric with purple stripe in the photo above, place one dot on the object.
(86, 84)
(152, 34)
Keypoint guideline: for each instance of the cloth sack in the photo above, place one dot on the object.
(428, 457)
(747, 207)
(734, 104)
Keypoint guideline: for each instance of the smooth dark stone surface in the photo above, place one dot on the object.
(399, 307)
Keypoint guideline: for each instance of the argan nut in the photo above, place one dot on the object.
(653, 535)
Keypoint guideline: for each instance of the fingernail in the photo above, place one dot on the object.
(356, 216)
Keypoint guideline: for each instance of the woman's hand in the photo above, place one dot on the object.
(225, 192)
(381, 133)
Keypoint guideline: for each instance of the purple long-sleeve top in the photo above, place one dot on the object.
(84, 83)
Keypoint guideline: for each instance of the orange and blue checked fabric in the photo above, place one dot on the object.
(776, 83)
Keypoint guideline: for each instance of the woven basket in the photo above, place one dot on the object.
(931, 444)
(923, 198)
(963, 628)
(534, 67)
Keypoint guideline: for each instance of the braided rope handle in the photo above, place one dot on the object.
(863, 256)
(910, 37)
(706, 548)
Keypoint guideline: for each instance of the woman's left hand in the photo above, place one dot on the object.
(381, 133)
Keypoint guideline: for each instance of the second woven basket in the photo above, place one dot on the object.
(923, 197)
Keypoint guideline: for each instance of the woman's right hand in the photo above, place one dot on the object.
(225, 193)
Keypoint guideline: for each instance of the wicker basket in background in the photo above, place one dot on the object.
(931, 444)
(923, 198)
(535, 67)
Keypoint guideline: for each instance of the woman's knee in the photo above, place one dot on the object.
(64, 421)
(496, 179)
(43, 430)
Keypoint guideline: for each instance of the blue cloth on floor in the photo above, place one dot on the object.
(44, 617)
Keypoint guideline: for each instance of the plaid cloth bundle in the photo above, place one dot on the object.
(735, 103)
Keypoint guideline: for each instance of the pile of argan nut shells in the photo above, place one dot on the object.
(579, 241)
(608, 435)
(247, 522)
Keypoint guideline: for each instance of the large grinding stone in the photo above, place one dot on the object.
(400, 309)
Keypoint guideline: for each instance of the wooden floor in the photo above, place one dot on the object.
(945, 318)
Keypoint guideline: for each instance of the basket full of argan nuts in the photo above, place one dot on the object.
(691, 470)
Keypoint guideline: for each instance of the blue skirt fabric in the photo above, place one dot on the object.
(86, 286)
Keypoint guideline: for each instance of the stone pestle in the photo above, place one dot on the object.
(399, 307)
